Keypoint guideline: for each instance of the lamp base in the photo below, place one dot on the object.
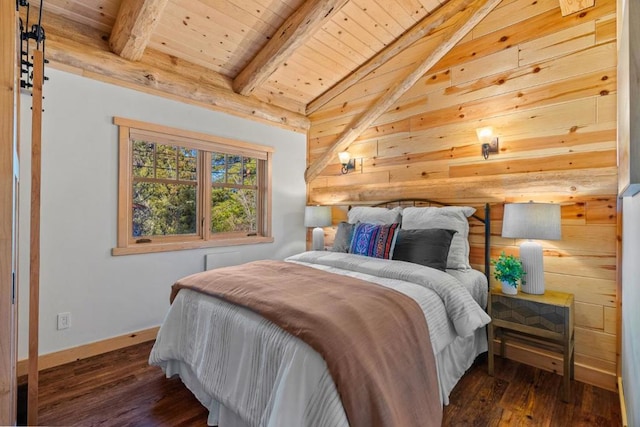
(532, 262)
(318, 239)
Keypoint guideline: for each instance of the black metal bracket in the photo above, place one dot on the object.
(490, 147)
(37, 35)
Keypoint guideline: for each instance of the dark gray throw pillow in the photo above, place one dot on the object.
(342, 240)
(428, 247)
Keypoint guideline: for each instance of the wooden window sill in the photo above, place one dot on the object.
(146, 248)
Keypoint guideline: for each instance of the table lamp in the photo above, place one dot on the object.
(318, 217)
(532, 221)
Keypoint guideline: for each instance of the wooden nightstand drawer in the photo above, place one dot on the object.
(530, 313)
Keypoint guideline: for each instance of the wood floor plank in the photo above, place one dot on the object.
(532, 397)
(120, 389)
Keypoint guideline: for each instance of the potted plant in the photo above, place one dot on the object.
(508, 270)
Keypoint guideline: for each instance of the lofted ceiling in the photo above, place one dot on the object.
(224, 36)
(278, 61)
(327, 40)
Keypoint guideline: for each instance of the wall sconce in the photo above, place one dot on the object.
(488, 140)
(347, 162)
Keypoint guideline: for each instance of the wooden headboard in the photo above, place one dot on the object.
(427, 203)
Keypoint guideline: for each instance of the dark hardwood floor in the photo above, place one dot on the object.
(121, 389)
(116, 389)
(520, 395)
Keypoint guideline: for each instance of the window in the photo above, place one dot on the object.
(183, 190)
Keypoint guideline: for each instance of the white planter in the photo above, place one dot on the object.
(508, 289)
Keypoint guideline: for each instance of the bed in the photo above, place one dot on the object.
(248, 371)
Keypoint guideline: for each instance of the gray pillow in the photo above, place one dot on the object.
(449, 218)
(342, 240)
(428, 247)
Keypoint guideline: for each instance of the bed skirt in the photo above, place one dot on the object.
(452, 363)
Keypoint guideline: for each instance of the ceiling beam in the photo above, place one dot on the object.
(80, 49)
(133, 27)
(428, 25)
(292, 34)
(453, 31)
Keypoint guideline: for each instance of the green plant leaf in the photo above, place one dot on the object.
(508, 268)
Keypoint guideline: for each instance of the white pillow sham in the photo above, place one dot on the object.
(448, 217)
(372, 215)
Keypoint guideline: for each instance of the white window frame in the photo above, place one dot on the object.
(128, 130)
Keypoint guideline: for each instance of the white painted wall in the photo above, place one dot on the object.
(110, 296)
(630, 304)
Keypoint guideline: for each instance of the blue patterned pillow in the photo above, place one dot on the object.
(373, 240)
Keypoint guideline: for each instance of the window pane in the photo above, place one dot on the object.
(233, 210)
(153, 160)
(234, 169)
(166, 161)
(187, 163)
(250, 171)
(163, 209)
(218, 167)
(142, 159)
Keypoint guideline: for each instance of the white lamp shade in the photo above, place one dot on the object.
(484, 134)
(532, 221)
(344, 157)
(317, 216)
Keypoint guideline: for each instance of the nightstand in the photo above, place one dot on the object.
(544, 321)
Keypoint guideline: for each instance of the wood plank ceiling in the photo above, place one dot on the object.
(273, 60)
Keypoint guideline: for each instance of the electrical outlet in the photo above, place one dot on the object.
(64, 320)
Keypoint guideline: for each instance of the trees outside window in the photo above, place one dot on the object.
(234, 193)
(173, 182)
(164, 189)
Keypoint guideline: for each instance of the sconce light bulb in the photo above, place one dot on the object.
(485, 134)
(344, 157)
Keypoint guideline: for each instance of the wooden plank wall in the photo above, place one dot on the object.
(547, 84)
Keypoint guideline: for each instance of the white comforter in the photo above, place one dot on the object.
(237, 363)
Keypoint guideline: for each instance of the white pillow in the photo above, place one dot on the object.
(374, 215)
(448, 217)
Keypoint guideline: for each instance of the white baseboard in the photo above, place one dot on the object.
(72, 354)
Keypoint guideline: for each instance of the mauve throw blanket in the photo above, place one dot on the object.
(374, 340)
